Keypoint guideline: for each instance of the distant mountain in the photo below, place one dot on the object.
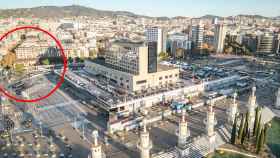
(208, 16)
(77, 10)
(65, 11)
(253, 16)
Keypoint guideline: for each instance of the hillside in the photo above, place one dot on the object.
(65, 11)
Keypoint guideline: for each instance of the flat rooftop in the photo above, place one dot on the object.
(160, 67)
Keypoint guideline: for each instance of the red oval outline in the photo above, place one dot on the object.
(62, 74)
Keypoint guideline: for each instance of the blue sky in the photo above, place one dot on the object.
(165, 7)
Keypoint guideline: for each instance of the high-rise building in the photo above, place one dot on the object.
(179, 41)
(197, 35)
(277, 45)
(250, 41)
(152, 57)
(265, 44)
(277, 104)
(155, 34)
(219, 37)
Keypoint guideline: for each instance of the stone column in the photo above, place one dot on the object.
(232, 110)
(144, 144)
(183, 132)
(252, 107)
(96, 151)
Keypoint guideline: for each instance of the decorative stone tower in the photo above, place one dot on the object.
(210, 127)
(96, 151)
(183, 132)
(210, 121)
(277, 104)
(232, 110)
(252, 106)
(144, 144)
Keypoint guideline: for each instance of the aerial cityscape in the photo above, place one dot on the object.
(140, 79)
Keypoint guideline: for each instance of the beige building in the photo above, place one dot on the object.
(127, 67)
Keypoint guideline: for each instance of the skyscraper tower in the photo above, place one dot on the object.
(219, 37)
(158, 35)
(183, 132)
(278, 99)
(252, 106)
(144, 144)
(232, 110)
(197, 35)
(96, 151)
(152, 57)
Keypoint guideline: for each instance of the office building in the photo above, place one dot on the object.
(197, 36)
(219, 37)
(265, 44)
(277, 45)
(179, 44)
(152, 57)
(155, 34)
(126, 65)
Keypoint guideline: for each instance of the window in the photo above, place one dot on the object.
(141, 82)
(160, 78)
(170, 76)
(166, 77)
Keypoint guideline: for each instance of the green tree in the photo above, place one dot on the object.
(163, 56)
(265, 132)
(258, 132)
(256, 122)
(19, 68)
(70, 60)
(82, 60)
(260, 142)
(233, 131)
(241, 127)
(77, 59)
(93, 54)
(46, 62)
(246, 129)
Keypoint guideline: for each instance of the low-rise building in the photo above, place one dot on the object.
(126, 65)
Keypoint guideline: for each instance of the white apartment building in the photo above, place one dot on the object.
(219, 37)
(197, 35)
(28, 51)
